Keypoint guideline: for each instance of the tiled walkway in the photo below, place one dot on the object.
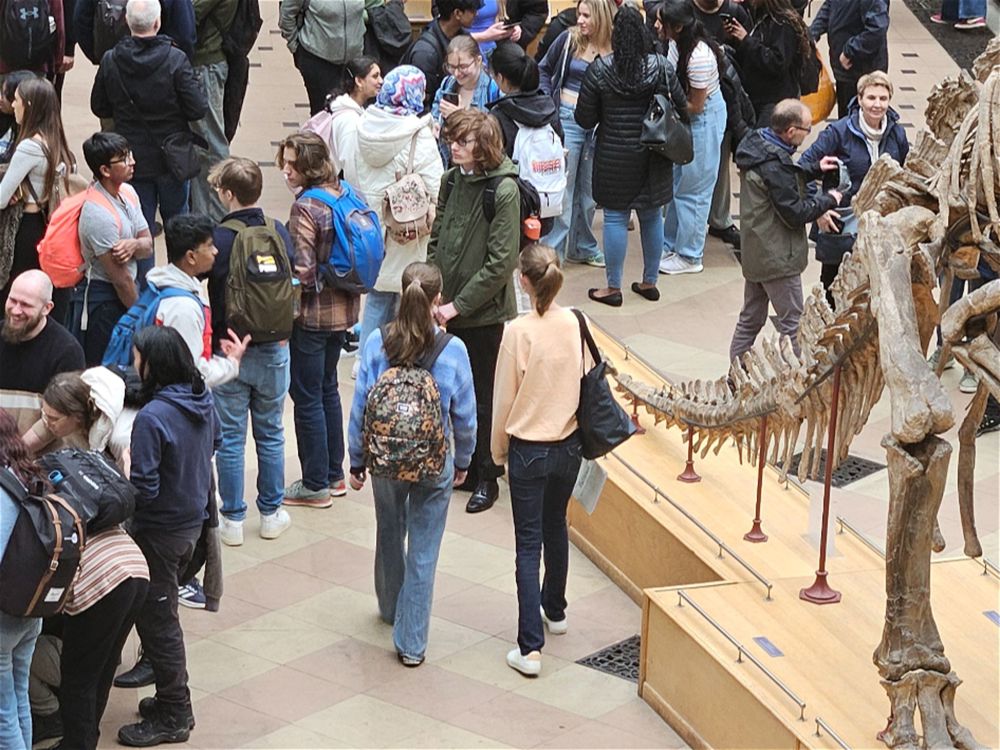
(298, 658)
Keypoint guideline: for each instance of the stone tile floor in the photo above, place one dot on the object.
(298, 657)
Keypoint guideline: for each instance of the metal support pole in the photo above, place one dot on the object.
(820, 591)
(689, 474)
(639, 429)
(755, 534)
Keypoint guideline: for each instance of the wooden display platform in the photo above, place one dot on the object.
(655, 535)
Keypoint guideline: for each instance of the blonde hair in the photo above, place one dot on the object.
(602, 16)
(875, 78)
(540, 265)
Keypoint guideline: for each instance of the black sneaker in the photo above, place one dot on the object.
(991, 418)
(149, 709)
(730, 235)
(149, 732)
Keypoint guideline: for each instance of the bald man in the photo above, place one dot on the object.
(33, 348)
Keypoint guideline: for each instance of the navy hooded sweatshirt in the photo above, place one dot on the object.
(173, 439)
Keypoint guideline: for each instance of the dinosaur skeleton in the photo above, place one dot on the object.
(938, 214)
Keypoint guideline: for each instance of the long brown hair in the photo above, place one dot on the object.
(412, 333)
(312, 158)
(540, 265)
(783, 12)
(14, 453)
(42, 117)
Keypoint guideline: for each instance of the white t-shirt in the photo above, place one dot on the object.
(703, 67)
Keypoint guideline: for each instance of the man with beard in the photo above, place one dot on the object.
(33, 348)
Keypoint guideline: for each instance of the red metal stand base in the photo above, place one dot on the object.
(639, 429)
(689, 474)
(755, 534)
(820, 592)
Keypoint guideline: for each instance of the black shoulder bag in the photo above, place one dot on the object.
(604, 424)
(663, 131)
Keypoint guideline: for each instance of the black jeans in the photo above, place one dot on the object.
(541, 477)
(167, 554)
(320, 77)
(483, 345)
(92, 647)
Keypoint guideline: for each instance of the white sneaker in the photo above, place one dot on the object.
(230, 531)
(555, 627)
(674, 264)
(355, 368)
(969, 383)
(274, 525)
(529, 666)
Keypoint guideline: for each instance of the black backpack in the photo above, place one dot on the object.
(94, 485)
(809, 71)
(27, 33)
(391, 27)
(740, 114)
(43, 552)
(531, 204)
(109, 26)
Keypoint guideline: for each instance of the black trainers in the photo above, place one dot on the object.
(159, 725)
(148, 709)
(991, 418)
(730, 235)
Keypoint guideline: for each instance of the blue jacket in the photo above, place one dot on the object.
(486, 91)
(453, 375)
(856, 28)
(552, 68)
(845, 140)
(173, 439)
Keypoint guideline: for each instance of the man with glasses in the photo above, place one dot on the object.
(114, 235)
(774, 210)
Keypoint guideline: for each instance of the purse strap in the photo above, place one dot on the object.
(586, 337)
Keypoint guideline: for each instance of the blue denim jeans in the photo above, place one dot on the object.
(260, 391)
(616, 243)
(172, 198)
(572, 233)
(319, 416)
(686, 223)
(380, 308)
(212, 128)
(971, 9)
(410, 518)
(17, 644)
(541, 477)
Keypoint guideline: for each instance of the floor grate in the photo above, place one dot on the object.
(851, 469)
(619, 659)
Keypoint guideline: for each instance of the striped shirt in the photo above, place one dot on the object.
(323, 309)
(703, 67)
(109, 558)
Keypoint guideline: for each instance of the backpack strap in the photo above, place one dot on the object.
(490, 198)
(413, 151)
(441, 340)
(12, 485)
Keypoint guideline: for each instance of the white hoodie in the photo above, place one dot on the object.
(344, 135)
(188, 317)
(383, 151)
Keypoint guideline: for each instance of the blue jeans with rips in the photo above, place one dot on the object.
(17, 645)
(686, 222)
(572, 234)
(541, 478)
(616, 243)
(259, 391)
(410, 518)
(212, 128)
(319, 415)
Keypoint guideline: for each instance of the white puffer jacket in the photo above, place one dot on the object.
(383, 149)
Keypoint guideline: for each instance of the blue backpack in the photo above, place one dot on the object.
(118, 355)
(358, 241)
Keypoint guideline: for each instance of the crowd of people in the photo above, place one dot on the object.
(440, 146)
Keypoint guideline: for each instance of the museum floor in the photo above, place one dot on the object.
(297, 656)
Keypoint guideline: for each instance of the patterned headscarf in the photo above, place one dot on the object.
(402, 91)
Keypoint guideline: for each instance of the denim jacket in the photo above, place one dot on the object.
(486, 91)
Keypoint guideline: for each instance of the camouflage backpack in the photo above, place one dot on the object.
(403, 430)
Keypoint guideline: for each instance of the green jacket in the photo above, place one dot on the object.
(209, 17)
(477, 258)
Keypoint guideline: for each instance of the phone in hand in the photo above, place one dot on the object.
(508, 24)
(727, 18)
(451, 97)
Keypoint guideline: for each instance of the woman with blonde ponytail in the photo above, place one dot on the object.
(535, 396)
(410, 516)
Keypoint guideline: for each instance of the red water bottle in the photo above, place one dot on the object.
(532, 228)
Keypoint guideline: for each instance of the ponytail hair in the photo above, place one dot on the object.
(411, 334)
(515, 65)
(540, 265)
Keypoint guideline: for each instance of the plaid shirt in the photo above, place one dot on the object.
(311, 227)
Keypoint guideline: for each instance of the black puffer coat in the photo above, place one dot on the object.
(626, 174)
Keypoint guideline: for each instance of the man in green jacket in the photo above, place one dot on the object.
(774, 210)
(477, 257)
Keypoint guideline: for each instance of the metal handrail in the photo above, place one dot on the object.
(708, 532)
(833, 735)
(741, 652)
(844, 524)
(990, 567)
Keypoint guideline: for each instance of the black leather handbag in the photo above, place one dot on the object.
(603, 423)
(663, 131)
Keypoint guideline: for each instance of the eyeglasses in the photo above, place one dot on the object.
(467, 142)
(464, 67)
(807, 131)
(51, 420)
(127, 159)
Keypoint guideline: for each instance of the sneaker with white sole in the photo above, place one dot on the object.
(339, 488)
(673, 264)
(936, 356)
(971, 23)
(275, 524)
(230, 531)
(969, 383)
(596, 260)
(191, 595)
(530, 665)
(555, 627)
(297, 494)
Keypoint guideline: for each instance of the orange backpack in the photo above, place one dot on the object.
(59, 251)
